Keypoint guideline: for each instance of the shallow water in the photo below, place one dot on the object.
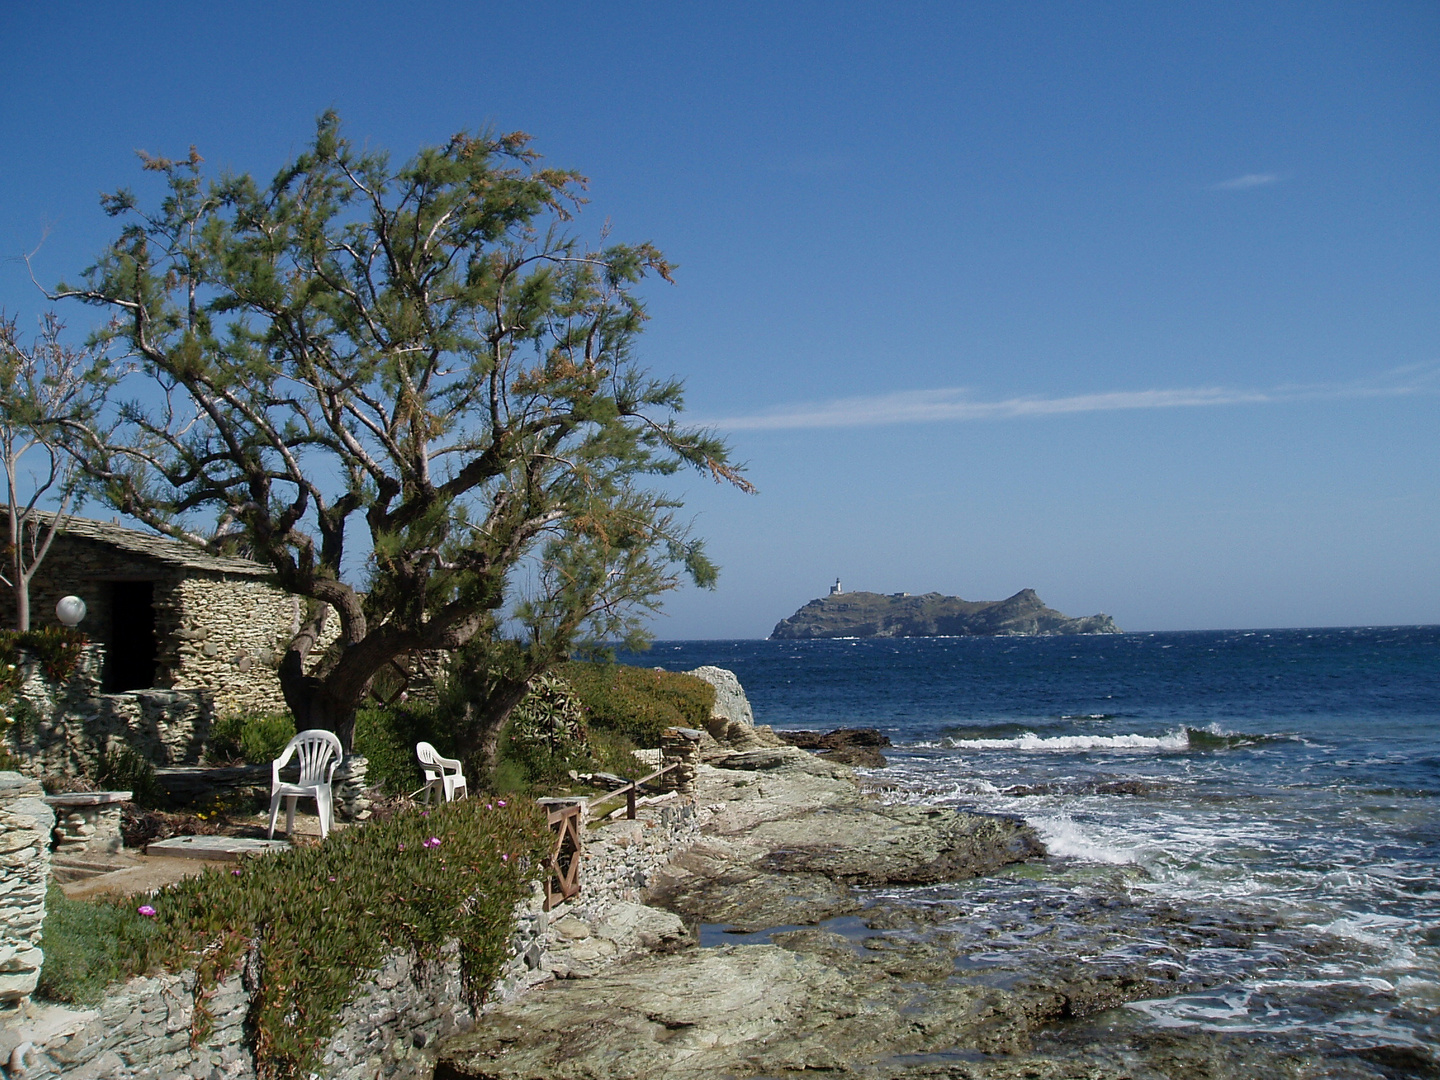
(1280, 790)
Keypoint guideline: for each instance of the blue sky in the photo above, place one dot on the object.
(1134, 304)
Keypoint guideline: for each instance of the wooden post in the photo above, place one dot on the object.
(630, 802)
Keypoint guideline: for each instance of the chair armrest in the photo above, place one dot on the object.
(278, 764)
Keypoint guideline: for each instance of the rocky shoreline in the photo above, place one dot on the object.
(811, 927)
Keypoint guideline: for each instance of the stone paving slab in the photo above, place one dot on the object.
(213, 847)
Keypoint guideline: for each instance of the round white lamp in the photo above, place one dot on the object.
(70, 610)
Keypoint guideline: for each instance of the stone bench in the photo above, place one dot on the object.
(87, 822)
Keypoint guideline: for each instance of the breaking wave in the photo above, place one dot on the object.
(1211, 738)
(1030, 741)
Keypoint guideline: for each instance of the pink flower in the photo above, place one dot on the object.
(504, 858)
(402, 847)
(489, 807)
(500, 802)
(234, 873)
(424, 813)
(433, 842)
(332, 877)
(146, 910)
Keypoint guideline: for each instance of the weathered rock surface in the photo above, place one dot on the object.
(789, 837)
(859, 747)
(892, 985)
(580, 947)
(866, 614)
(732, 721)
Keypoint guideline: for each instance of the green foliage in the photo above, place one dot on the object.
(386, 735)
(546, 736)
(327, 339)
(613, 752)
(86, 945)
(550, 715)
(639, 702)
(257, 739)
(122, 769)
(587, 717)
(58, 649)
(321, 918)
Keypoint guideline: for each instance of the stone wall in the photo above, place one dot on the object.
(143, 1028)
(217, 631)
(25, 825)
(232, 634)
(64, 730)
(229, 641)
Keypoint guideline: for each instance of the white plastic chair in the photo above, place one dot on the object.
(320, 756)
(443, 775)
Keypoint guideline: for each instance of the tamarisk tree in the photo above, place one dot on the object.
(413, 394)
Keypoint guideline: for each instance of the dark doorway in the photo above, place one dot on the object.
(130, 650)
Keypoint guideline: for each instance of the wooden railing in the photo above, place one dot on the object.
(563, 882)
(630, 789)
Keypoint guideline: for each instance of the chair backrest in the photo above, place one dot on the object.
(316, 748)
(428, 755)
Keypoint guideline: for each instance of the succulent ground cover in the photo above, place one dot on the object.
(313, 920)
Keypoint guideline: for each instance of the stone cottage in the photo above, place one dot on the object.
(168, 615)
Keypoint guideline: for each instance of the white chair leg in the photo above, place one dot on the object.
(326, 809)
(290, 801)
(274, 813)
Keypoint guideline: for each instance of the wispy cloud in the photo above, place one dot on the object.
(1249, 180)
(957, 404)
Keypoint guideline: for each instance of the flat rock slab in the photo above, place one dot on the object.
(895, 845)
(214, 848)
(89, 798)
(789, 837)
(710, 1013)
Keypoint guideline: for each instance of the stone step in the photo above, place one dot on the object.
(213, 847)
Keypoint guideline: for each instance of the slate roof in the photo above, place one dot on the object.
(160, 548)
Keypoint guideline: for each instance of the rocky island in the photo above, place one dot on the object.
(867, 614)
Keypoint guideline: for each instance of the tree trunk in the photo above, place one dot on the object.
(314, 704)
(483, 722)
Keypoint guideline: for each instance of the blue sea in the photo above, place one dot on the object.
(1283, 781)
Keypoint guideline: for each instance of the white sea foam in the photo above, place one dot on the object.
(1064, 837)
(1175, 740)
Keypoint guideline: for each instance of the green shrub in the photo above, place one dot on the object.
(386, 736)
(323, 917)
(544, 738)
(614, 752)
(256, 738)
(585, 717)
(58, 649)
(122, 769)
(639, 702)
